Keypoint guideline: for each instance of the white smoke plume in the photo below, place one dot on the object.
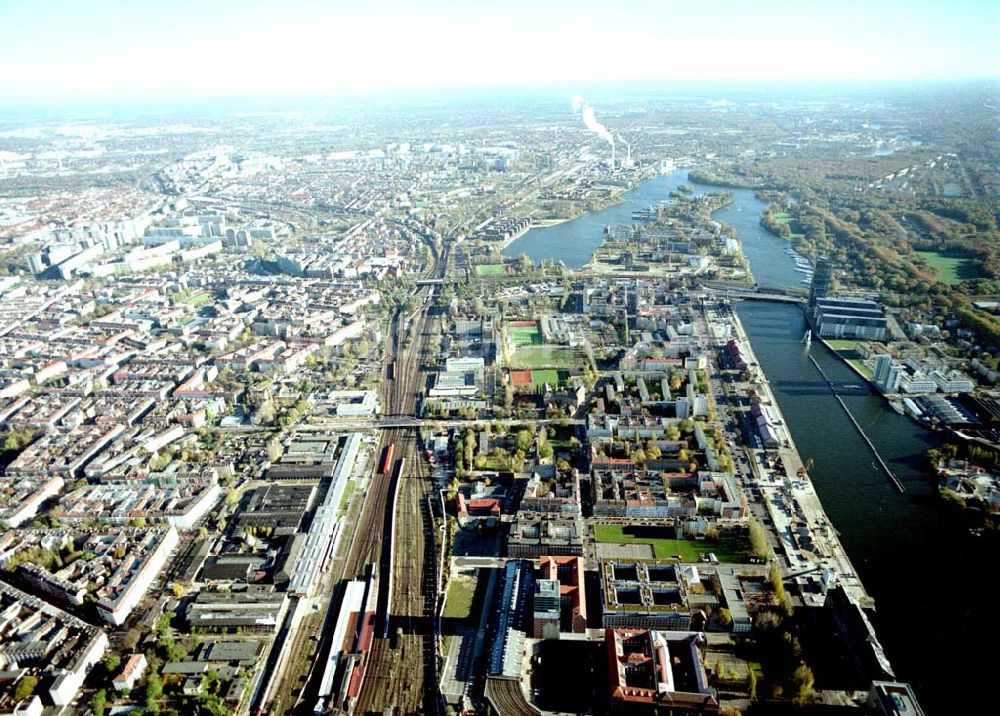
(594, 126)
(590, 121)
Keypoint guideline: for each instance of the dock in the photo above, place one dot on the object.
(857, 426)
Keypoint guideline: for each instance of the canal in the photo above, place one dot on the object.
(928, 574)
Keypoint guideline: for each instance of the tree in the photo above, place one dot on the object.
(758, 538)
(802, 681)
(112, 662)
(720, 670)
(752, 674)
(131, 639)
(523, 440)
(545, 451)
(274, 451)
(98, 702)
(777, 584)
(154, 690)
(725, 617)
(266, 413)
(25, 688)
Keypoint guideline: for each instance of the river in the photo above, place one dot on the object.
(929, 576)
(574, 242)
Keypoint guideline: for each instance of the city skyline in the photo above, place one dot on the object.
(62, 52)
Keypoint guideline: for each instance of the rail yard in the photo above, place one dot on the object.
(391, 549)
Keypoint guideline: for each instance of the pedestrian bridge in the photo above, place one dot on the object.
(400, 421)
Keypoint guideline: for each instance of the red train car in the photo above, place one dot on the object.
(387, 460)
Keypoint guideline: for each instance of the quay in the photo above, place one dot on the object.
(795, 497)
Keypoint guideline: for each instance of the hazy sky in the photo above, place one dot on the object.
(65, 50)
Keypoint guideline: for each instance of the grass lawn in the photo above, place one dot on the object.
(842, 344)
(727, 549)
(783, 217)
(951, 269)
(461, 591)
(543, 357)
(845, 349)
(345, 498)
(525, 336)
(490, 270)
(547, 375)
(860, 366)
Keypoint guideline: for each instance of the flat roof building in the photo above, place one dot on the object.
(568, 573)
(891, 698)
(255, 609)
(546, 609)
(531, 536)
(849, 318)
(644, 594)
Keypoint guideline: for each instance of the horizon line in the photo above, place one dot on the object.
(118, 100)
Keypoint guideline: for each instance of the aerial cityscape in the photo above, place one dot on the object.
(333, 382)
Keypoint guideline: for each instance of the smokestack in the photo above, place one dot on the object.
(628, 149)
(612, 155)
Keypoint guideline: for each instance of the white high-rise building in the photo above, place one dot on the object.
(888, 374)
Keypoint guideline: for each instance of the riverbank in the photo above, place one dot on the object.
(630, 256)
(574, 240)
(847, 361)
(827, 552)
(892, 537)
(511, 239)
(545, 223)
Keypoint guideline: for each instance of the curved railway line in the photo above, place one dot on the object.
(507, 698)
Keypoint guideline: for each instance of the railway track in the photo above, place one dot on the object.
(402, 669)
(395, 677)
(507, 698)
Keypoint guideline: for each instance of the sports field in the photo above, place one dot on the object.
(520, 378)
(540, 377)
(535, 356)
(490, 270)
(525, 333)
